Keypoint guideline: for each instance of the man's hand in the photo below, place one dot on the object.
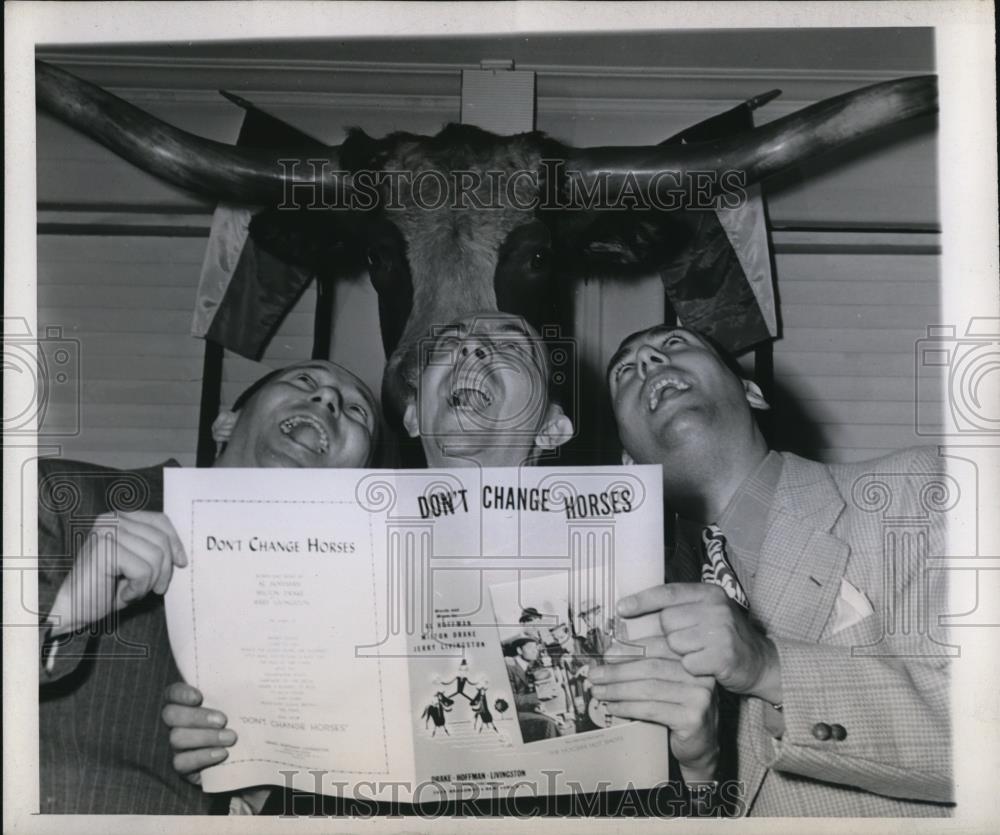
(198, 735)
(135, 556)
(655, 687)
(713, 636)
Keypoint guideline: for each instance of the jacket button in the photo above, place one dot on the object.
(838, 732)
(821, 731)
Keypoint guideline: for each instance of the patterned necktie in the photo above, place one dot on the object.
(716, 568)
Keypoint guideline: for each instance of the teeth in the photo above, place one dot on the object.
(289, 424)
(465, 397)
(664, 383)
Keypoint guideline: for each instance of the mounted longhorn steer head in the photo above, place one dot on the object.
(469, 221)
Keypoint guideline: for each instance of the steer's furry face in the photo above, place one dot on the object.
(453, 248)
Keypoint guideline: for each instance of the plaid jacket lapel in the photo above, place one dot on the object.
(801, 562)
(796, 582)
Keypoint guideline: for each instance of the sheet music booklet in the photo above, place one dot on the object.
(430, 629)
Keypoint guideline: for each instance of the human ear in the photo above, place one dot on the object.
(627, 459)
(410, 422)
(755, 397)
(222, 427)
(555, 430)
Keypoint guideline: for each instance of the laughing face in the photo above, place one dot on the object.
(315, 414)
(482, 391)
(669, 387)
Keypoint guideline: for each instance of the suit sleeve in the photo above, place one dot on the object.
(894, 712)
(70, 495)
(54, 561)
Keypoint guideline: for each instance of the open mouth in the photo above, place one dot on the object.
(306, 431)
(466, 397)
(664, 387)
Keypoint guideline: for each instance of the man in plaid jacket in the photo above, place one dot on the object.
(838, 677)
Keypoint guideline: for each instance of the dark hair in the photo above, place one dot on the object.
(724, 354)
(253, 388)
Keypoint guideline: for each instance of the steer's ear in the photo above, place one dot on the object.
(410, 422)
(555, 430)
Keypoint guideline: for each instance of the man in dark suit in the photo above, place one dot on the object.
(535, 724)
(106, 557)
(839, 712)
(595, 640)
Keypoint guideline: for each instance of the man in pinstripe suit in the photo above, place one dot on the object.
(105, 655)
(838, 711)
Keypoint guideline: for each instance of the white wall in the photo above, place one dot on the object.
(119, 252)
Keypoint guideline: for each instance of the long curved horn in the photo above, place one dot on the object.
(213, 169)
(767, 150)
